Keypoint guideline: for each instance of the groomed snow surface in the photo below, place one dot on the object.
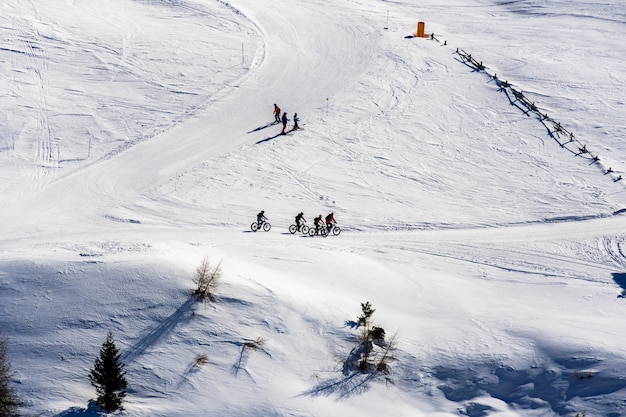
(136, 140)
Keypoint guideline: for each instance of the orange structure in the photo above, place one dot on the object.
(420, 30)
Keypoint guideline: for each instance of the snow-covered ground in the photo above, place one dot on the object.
(135, 140)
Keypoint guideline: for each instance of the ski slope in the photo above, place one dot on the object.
(136, 139)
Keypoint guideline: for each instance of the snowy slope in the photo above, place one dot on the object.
(136, 139)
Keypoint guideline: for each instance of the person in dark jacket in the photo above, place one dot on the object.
(285, 120)
(300, 220)
(295, 121)
(318, 222)
(260, 218)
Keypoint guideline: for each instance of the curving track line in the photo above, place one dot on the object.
(612, 246)
(127, 178)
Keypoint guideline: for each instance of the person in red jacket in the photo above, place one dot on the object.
(276, 113)
(330, 221)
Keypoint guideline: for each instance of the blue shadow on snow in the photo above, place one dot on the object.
(620, 279)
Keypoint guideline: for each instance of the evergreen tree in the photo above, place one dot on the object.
(108, 376)
(366, 315)
(366, 336)
(8, 399)
(374, 351)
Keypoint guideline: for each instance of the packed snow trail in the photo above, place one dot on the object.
(130, 176)
(497, 258)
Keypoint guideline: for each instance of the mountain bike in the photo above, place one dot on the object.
(334, 229)
(323, 231)
(303, 228)
(265, 226)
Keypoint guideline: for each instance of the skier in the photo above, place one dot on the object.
(285, 120)
(276, 113)
(295, 121)
(330, 221)
(260, 218)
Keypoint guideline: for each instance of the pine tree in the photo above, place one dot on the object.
(375, 352)
(8, 399)
(108, 376)
(366, 336)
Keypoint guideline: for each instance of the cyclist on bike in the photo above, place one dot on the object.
(300, 220)
(318, 222)
(330, 221)
(260, 218)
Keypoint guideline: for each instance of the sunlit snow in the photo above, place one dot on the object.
(480, 200)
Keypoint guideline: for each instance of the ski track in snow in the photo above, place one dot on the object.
(453, 199)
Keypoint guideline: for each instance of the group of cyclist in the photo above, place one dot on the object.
(318, 222)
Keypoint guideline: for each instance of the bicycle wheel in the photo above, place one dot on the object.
(293, 229)
(254, 227)
(305, 229)
(336, 230)
(267, 227)
(312, 231)
(323, 231)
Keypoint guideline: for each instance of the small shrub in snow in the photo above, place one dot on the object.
(584, 375)
(255, 344)
(201, 359)
(8, 398)
(207, 279)
(373, 352)
(387, 355)
(108, 376)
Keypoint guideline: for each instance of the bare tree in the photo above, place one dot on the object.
(387, 355)
(207, 279)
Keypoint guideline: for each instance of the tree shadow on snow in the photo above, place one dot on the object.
(245, 347)
(345, 386)
(92, 410)
(159, 332)
(352, 324)
(240, 364)
(351, 382)
(192, 368)
(620, 279)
